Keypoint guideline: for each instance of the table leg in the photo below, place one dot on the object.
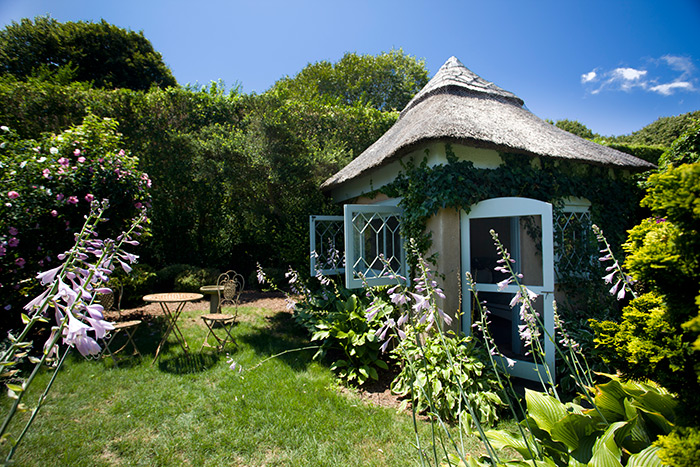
(171, 319)
(178, 334)
(214, 303)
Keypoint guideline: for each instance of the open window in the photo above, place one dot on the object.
(327, 245)
(372, 246)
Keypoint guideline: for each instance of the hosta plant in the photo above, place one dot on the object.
(433, 375)
(348, 330)
(627, 418)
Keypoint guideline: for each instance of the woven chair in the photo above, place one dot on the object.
(229, 286)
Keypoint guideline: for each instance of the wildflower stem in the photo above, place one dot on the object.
(39, 403)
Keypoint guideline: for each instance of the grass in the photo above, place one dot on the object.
(191, 409)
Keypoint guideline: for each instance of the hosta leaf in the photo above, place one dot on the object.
(647, 458)
(544, 409)
(639, 437)
(320, 335)
(373, 373)
(653, 401)
(501, 439)
(609, 400)
(584, 451)
(571, 429)
(606, 450)
(363, 371)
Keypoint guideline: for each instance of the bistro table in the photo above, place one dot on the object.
(178, 300)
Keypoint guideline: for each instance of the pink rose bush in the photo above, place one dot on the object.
(48, 187)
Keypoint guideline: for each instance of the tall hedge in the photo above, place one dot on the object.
(235, 177)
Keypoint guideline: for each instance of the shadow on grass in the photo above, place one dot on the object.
(188, 363)
(279, 334)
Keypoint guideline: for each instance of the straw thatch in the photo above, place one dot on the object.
(458, 106)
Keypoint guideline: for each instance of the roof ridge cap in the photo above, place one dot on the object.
(453, 73)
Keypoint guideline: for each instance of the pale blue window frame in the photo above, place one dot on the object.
(370, 231)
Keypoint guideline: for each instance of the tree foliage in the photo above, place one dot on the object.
(575, 127)
(662, 132)
(385, 82)
(99, 53)
(684, 150)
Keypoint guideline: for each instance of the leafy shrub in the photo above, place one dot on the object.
(656, 335)
(680, 448)
(619, 431)
(346, 329)
(132, 286)
(335, 317)
(440, 370)
(644, 343)
(184, 278)
(165, 277)
(648, 153)
(191, 280)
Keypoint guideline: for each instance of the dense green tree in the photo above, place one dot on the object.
(575, 127)
(99, 53)
(235, 177)
(662, 132)
(386, 81)
(684, 150)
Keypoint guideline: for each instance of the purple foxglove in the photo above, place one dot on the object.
(100, 326)
(95, 310)
(48, 276)
(422, 302)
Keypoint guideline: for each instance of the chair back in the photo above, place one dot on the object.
(230, 285)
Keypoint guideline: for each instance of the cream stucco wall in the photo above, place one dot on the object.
(444, 227)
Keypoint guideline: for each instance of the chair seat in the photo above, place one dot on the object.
(129, 328)
(127, 324)
(218, 317)
(224, 323)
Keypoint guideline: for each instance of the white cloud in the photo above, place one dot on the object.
(682, 64)
(669, 88)
(588, 77)
(627, 74)
(665, 76)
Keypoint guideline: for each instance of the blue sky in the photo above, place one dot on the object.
(615, 66)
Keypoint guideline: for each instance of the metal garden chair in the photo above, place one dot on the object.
(229, 287)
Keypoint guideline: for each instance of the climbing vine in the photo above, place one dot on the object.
(459, 185)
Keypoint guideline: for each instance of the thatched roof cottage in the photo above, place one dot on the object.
(469, 157)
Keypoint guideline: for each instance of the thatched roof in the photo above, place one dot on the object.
(460, 107)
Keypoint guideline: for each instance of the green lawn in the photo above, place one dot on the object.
(193, 410)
